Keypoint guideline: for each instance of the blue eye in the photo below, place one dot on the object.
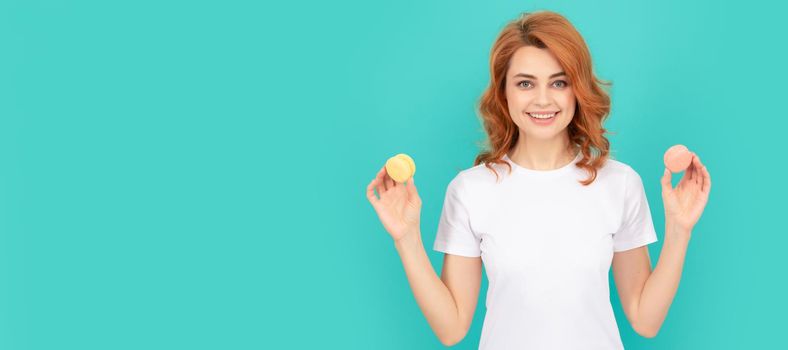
(562, 83)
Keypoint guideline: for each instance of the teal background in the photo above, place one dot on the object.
(191, 174)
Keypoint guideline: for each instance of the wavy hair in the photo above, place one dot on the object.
(546, 30)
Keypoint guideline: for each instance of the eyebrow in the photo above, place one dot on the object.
(533, 77)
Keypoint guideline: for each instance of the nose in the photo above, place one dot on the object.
(543, 97)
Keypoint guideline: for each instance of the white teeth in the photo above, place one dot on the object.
(542, 116)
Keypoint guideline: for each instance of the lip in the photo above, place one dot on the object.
(542, 112)
(543, 121)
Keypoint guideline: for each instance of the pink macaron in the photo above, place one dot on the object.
(678, 158)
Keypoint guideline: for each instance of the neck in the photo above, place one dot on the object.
(543, 154)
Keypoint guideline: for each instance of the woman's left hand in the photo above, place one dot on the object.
(684, 204)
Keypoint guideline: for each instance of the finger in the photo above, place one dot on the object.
(389, 182)
(697, 167)
(371, 192)
(701, 180)
(686, 178)
(666, 185)
(379, 181)
(693, 174)
(412, 192)
(691, 170)
(707, 183)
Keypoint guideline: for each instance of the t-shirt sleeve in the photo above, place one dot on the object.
(455, 235)
(637, 227)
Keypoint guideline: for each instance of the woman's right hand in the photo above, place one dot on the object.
(399, 206)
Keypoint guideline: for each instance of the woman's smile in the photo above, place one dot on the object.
(543, 119)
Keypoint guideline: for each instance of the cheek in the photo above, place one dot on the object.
(523, 100)
(568, 102)
(516, 102)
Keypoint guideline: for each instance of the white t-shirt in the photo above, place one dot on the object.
(547, 244)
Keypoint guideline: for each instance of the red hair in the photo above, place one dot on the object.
(546, 30)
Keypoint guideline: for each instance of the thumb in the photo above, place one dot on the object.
(666, 184)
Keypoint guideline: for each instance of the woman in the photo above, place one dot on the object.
(545, 209)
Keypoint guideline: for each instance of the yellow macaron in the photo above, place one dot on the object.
(400, 167)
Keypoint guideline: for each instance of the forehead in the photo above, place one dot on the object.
(535, 61)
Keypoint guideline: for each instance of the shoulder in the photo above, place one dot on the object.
(624, 174)
(619, 169)
(475, 179)
(481, 175)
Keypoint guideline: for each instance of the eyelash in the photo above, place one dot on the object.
(561, 81)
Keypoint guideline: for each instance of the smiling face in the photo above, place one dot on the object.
(536, 86)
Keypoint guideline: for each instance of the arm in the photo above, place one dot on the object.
(646, 296)
(447, 303)
(661, 286)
